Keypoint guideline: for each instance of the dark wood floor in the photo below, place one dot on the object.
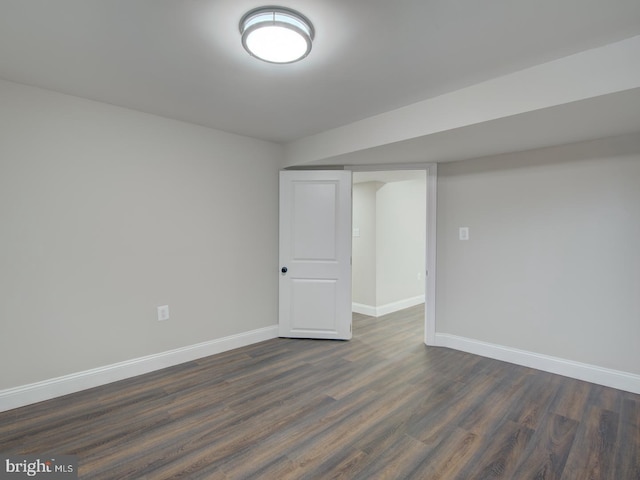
(382, 406)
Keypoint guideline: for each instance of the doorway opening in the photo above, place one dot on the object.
(393, 244)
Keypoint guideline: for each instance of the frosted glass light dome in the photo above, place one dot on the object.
(276, 34)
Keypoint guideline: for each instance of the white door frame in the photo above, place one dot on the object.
(431, 170)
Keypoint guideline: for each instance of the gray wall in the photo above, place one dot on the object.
(106, 213)
(553, 264)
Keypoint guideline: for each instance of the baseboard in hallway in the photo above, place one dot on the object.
(379, 311)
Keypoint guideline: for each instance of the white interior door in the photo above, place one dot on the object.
(315, 254)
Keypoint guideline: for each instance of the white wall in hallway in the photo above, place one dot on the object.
(364, 242)
(400, 246)
(389, 221)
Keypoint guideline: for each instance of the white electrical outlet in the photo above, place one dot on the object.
(419, 276)
(463, 233)
(163, 313)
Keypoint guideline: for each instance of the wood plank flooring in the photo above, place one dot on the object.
(382, 406)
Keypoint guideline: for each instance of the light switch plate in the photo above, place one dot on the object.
(163, 313)
(464, 233)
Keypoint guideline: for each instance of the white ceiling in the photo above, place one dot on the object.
(183, 59)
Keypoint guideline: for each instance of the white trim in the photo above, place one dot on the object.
(582, 371)
(55, 387)
(363, 309)
(430, 255)
(388, 308)
(399, 305)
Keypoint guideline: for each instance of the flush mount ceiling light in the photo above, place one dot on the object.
(276, 34)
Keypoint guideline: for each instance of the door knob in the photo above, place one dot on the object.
(284, 270)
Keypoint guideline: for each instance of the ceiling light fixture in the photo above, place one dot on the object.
(276, 34)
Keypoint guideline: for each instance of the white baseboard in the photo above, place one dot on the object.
(363, 309)
(582, 371)
(55, 387)
(400, 305)
(388, 308)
